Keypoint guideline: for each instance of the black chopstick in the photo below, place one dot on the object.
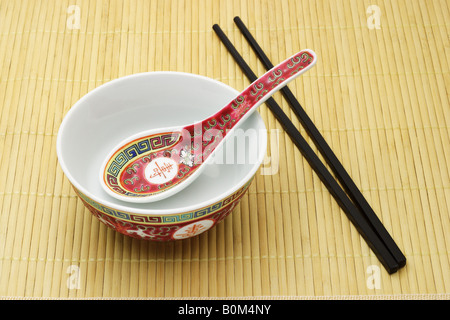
(328, 154)
(353, 214)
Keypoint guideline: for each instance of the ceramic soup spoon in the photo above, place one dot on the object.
(158, 163)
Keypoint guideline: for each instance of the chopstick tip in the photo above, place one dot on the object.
(402, 262)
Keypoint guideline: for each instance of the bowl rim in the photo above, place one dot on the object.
(152, 212)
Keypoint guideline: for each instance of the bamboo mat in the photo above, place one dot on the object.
(379, 96)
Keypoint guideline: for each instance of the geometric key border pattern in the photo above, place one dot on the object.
(164, 219)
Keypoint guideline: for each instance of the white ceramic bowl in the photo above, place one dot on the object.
(128, 105)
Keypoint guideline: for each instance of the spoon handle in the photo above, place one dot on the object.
(216, 127)
(144, 168)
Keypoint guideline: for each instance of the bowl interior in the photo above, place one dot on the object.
(129, 105)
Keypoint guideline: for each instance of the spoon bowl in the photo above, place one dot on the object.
(155, 164)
